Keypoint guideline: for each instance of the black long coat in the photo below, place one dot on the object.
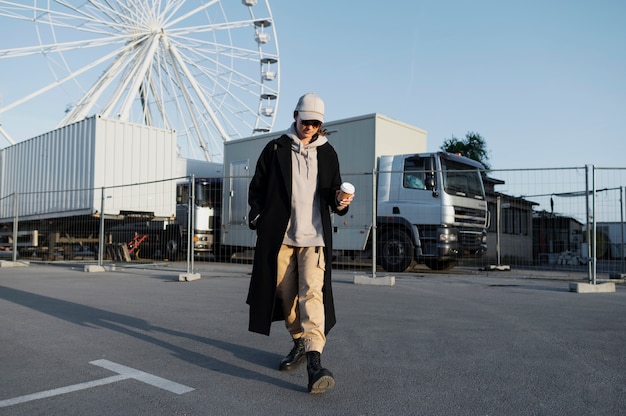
(270, 197)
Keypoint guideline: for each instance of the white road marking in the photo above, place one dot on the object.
(145, 377)
(124, 373)
(61, 390)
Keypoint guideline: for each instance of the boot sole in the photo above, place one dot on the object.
(320, 386)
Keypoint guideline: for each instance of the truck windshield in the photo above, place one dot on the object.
(462, 180)
(208, 193)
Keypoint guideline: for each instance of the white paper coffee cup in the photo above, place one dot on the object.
(346, 190)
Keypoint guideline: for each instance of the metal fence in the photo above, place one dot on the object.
(576, 223)
(565, 219)
(123, 225)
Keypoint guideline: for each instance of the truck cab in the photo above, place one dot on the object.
(207, 202)
(431, 209)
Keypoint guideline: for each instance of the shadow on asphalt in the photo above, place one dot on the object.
(139, 328)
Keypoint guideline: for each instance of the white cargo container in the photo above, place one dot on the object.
(61, 173)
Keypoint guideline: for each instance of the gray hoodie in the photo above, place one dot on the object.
(305, 223)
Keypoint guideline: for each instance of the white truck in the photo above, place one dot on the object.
(418, 207)
(206, 202)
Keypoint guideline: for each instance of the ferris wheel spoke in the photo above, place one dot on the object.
(192, 117)
(170, 8)
(123, 14)
(12, 11)
(126, 77)
(194, 85)
(73, 18)
(205, 56)
(195, 46)
(60, 47)
(60, 81)
(153, 90)
(208, 138)
(123, 17)
(197, 43)
(214, 27)
(191, 13)
(242, 105)
(90, 98)
(245, 84)
(234, 106)
(141, 69)
(97, 27)
(121, 64)
(6, 135)
(241, 86)
(107, 9)
(168, 83)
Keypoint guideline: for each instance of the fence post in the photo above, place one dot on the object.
(498, 228)
(595, 235)
(621, 226)
(15, 225)
(191, 223)
(374, 222)
(588, 225)
(621, 207)
(101, 237)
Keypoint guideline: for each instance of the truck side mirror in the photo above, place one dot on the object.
(431, 186)
(430, 182)
(429, 167)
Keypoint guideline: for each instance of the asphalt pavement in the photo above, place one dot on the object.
(139, 342)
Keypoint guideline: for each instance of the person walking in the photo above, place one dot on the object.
(292, 193)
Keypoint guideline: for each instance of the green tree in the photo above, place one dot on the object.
(473, 146)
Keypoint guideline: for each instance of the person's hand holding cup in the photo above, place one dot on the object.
(345, 195)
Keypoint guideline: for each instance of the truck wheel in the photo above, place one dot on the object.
(395, 251)
(434, 264)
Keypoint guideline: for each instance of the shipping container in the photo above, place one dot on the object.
(64, 172)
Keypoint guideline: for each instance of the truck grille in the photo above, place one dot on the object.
(469, 217)
(470, 239)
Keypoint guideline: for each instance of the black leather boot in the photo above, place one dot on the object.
(295, 356)
(320, 379)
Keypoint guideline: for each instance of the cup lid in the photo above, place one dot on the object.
(347, 187)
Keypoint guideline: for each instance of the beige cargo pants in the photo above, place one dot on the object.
(299, 282)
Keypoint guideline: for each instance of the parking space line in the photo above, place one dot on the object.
(123, 373)
(61, 390)
(144, 377)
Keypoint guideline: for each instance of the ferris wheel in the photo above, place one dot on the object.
(208, 69)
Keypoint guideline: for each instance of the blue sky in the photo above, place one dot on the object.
(544, 82)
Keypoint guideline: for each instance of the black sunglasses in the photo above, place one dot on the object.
(314, 123)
